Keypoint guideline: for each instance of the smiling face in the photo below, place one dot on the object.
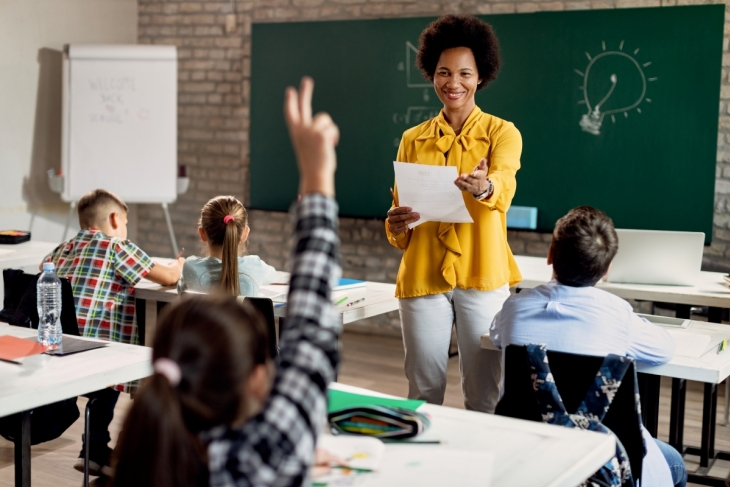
(456, 79)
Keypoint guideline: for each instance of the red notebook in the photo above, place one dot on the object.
(12, 348)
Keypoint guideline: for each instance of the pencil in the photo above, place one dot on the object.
(356, 301)
(340, 301)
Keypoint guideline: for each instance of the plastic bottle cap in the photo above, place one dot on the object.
(48, 266)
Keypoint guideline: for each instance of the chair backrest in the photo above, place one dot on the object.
(21, 308)
(573, 375)
(266, 307)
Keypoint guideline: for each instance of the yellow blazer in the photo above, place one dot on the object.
(440, 256)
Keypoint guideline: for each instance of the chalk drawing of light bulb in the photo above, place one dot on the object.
(614, 82)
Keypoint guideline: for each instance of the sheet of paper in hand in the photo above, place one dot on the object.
(431, 192)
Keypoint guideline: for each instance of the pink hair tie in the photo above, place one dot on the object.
(169, 369)
(227, 219)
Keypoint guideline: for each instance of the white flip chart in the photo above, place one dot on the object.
(120, 122)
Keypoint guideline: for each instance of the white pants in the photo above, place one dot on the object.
(427, 323)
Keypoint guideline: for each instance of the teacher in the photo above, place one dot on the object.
(457, 274)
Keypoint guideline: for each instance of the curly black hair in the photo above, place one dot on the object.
(451, 31)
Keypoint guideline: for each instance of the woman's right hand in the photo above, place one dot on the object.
(400, 217)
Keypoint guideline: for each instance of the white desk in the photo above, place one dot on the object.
(526, 453)
(44, 379)
(711, 368)
(709, 291)
(379, 299)
(23, 255)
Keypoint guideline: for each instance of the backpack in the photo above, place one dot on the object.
(589, 414)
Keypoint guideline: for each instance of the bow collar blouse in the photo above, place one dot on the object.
(440, 256)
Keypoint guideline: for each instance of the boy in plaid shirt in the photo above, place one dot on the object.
(103, 268)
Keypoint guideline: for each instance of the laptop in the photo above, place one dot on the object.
(657, 257)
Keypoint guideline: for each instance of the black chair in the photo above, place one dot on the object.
(573, 375)
(265, 306)
(20, 305)
(20, 309)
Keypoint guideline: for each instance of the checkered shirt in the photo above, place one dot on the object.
(276, 447)
(103, 271)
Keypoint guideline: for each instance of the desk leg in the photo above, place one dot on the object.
(709, 410)
(676, 416)
(649, 386)
(22, 452)
(150, 321)
(714, 315)
(683, 311)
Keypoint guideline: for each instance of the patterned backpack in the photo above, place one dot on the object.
(589, 414)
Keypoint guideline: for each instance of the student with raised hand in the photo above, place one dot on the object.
(569, 314)
(215, 410)
(223, 227)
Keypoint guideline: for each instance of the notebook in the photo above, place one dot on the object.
(74, 345)
(345, 284)
(13, 348)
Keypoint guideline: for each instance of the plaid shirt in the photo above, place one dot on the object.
(103, 271)
(276, 447)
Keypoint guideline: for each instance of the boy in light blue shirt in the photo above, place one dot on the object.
(569, 314)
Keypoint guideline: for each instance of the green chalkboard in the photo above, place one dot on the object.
(648, 160)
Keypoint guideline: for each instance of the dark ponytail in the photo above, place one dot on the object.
(168, 455)
(213, 343)
(224, 220)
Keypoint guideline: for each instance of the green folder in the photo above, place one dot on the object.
(339, 400)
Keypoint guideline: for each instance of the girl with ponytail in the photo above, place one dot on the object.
(223, 227)
(211, 368)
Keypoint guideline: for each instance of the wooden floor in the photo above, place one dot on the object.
(372, 362)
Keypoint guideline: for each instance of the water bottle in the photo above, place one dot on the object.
(49, 306)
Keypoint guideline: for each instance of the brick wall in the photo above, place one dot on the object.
(214, 91)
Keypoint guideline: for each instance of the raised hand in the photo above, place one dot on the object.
(314, 140)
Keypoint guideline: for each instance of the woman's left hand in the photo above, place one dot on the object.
(475, 182)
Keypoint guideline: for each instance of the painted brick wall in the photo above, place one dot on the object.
(214, 92)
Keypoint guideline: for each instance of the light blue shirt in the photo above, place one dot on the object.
(204, 273)
(587, 321)
(584, 320)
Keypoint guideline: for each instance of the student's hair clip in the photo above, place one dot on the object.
(228, 218)
(168, 369)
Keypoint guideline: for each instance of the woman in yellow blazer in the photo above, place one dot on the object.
(457, 274)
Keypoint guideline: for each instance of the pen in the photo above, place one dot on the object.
(356, 301)
(722, 346)
(10, 361)
(341, 300)
(179, 254)
(354, 469)
(414, 442)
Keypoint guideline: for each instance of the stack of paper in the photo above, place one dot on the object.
(431, 192)
(689, 344)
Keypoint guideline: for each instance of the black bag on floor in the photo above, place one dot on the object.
(46, 422)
